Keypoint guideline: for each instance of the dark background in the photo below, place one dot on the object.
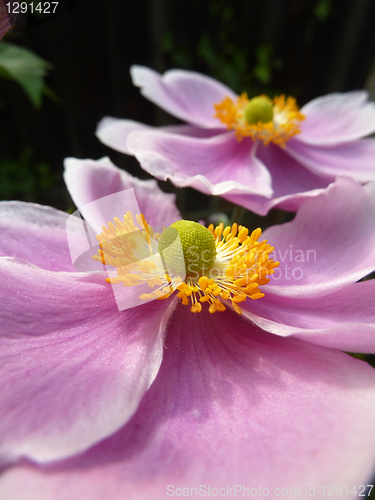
(305, 48)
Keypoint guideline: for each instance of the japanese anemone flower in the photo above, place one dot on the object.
(258, 153)
(100, 403)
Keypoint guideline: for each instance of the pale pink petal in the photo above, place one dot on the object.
(329, 244)
(90, 180)
(7, 16)
(354, 159)
(231, 405)
(337, 118)
(113, 132)
(343, 320)
(38, 235)
(187, 95)
(291, 183)
(73, 368)
(217, 165)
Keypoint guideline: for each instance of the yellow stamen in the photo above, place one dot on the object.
(241, 265)
(284, 125)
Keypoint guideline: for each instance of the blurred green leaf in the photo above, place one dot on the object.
(51, 94)
(23, 179)
(25, 68)
(323, 10)
(263, 69)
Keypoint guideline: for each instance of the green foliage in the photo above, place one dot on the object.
(323, 10)
(22, 179)
(26, 68)
(263, 69)
(224, 46)
(266, 63)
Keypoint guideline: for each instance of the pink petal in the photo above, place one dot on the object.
(73, 368)
(90, 180)
(187, 95)
(354, 159)
(37, 234)
(231, 405)
(215, 165)
(113, 132)
(292, 184)
(329, 244)
(6, 18)
(343, 320)
(337, 118)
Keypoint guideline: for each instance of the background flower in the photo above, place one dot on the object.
(208, 157)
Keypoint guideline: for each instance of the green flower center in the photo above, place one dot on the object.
(198, 248)
(258, 109)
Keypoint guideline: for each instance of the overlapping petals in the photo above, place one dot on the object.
(331, 240)
(90, 180)
(336, 118)
(69, 375)
(185, 94)
(180, 158)
(37, 234)
(156, 395)
(327, 248)
(354, 159)
(345, 319)
(231, 405)
(329, 144)
(66, 382)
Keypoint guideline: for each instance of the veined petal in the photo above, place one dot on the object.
(37, 234)
(337, 118)
(329, 244)
(354, 159)
(73, 368)
(228, 166)
(228, 405)
(343, 320)
(90, 180)
(187, 95)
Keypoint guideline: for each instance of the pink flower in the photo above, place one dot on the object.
(278, 159)
(7, 16)
(99, 403)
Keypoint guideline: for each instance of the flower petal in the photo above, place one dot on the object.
(354, 159)
(187, 95)
(6, 18)
(231, 405)
(291, 183)
(90, 180)
(113, 132)
(337, 118)
(329, 244)
(37, 234)
(73, 368)
(215, 165)
(343, 320)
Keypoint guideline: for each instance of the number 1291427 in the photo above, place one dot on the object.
(23, 7)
